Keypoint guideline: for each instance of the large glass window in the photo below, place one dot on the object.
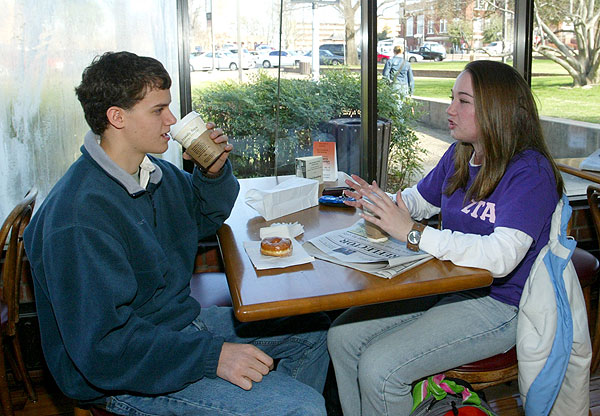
(274, 105)
(467, 30)
(443, 26)
(410, 25)
(44, 47)
(279, 105)
(420, 24)
(566, 76)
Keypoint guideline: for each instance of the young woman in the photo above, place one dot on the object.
(496, 188)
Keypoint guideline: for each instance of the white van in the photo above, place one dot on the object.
(386, 46)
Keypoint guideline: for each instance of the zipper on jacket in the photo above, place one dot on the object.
(153, 207)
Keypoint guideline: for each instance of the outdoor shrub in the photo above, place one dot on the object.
(266, 142)
(406, 153)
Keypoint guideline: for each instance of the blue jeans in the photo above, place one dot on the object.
(299, 343)
(378, 351)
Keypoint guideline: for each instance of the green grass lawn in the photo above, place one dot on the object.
(555, 97)
(540, 66)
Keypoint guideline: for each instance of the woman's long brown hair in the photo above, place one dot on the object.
(508, 124)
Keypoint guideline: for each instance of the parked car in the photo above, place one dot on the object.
(326, 58)
(432, 51)
(261, 48)
(334, 48)
(271, 59)
(298, 56)
(223, 60)
(497, 48)
(410, 56)
(250, 57)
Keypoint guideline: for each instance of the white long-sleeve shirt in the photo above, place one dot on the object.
(499, 252)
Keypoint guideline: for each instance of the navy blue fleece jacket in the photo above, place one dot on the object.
(112, 263)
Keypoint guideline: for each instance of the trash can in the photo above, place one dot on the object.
(305, 68)
(346, 132)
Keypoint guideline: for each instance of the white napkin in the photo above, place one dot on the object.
(282, 229)
(292, 195)
(299, 255)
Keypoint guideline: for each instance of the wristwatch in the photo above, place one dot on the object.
(413, 237)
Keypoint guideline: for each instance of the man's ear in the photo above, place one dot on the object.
(115, 117)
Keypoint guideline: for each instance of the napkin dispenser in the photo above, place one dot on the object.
(291, 195)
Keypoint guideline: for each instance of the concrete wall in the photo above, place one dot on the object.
(565, 138)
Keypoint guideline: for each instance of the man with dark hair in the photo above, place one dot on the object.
(112, 250)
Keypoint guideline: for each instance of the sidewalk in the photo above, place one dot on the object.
(435, 141)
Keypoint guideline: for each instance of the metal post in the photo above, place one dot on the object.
(504, 42)
(315, 42)
(183, 35)
(185, 85)
(208, 6)
(523, 38)
(368, 108)
(239, 40)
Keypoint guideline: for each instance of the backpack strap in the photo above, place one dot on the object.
(399, 70)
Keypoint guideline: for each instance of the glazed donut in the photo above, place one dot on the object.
(276, 246)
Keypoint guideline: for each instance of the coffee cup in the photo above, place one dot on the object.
(193, 136)
(374, 232)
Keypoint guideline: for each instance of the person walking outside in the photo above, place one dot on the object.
(398, 71)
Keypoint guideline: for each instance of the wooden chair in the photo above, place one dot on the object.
(502, 368)
(593, 196)
(11, 236)
(499, 369)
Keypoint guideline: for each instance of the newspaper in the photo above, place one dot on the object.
(592, 162)
(350, 247)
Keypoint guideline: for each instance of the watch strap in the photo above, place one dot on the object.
(417, 226)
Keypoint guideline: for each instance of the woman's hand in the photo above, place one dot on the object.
(217, 136)
(357, 184)
(392, 217)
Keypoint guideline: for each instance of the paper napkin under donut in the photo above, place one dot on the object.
(262, 262)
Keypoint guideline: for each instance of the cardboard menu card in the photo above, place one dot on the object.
(327, 151)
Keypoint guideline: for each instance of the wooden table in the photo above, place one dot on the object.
(576, 180)
(319, 286)
(571, 166)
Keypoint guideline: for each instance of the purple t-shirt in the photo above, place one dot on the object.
(525, 199)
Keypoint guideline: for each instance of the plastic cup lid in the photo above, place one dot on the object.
(191, 116)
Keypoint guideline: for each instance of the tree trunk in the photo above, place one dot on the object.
(349, 12)
(582, 63)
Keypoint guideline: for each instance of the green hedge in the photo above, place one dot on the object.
(247, 113)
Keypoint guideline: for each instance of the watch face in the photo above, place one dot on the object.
(414, 237)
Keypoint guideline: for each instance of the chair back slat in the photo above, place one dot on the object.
(11, 237)
(593, 196)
